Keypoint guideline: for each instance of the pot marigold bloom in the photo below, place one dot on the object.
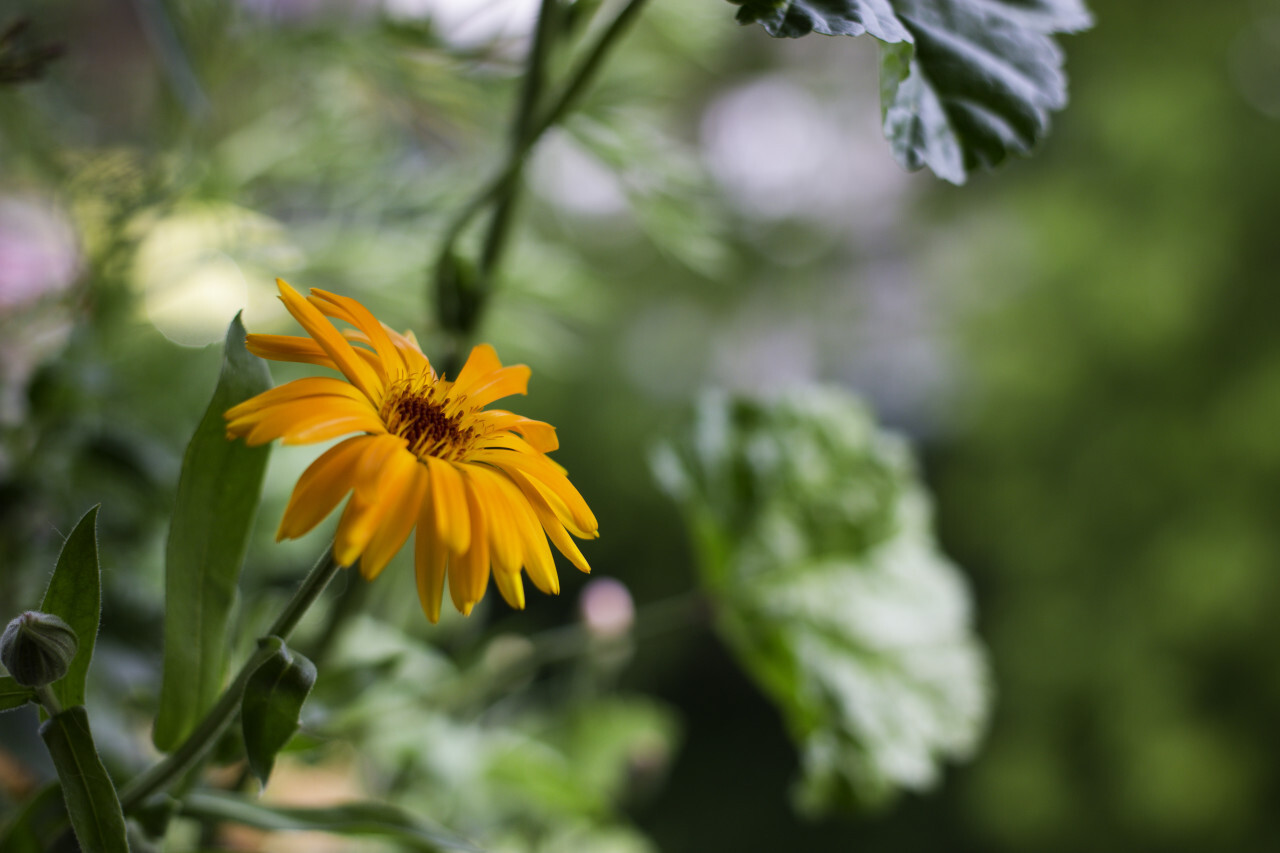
(475, 482)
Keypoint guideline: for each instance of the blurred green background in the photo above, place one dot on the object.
(1082, 346)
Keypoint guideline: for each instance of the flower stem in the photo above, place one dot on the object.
(50, 702)
(500, 191)
(530, 94)
(206, 733)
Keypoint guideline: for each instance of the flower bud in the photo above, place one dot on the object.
(37, 648)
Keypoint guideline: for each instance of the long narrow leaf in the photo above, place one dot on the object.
(75, 596)
(363, 818)
(217, 496)
(13, 695)
(90, 796)
(272, 702)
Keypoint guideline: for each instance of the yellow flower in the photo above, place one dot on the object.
(476, 482)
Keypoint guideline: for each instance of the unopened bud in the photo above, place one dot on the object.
(37, 648)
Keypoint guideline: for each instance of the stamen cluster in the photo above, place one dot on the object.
(419, 409)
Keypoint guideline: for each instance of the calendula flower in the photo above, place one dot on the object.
(476, 483)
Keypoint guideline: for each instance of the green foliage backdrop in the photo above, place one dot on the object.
(1079, 347)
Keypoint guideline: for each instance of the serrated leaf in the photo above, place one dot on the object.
(814, 540)
(74, 595)
(355, 819)
(272, 702)
(218, 493)
(90, 796)
(14, 695)
(796, 18)
(963, 83)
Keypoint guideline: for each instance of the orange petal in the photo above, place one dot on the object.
(414, 360)
(331, 341)
(542, 472)
(325, 482)
(496, 385)
(537, 555)
(449, 495)
(288, 348)
(540, 436)
(348, 309)
(482, 361)
(429, 559)
(367, 511)
(505, 548)
(311, 386)
(511, 585)
(469, 572)
(307, 420)
(402, 490)
(550, 522)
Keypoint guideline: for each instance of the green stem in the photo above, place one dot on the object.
(50, 702)
(534, 78)
(202, 738)
(501, 189)
(586, 71)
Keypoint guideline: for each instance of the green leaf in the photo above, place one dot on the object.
(815, 541)
(14, 695)
(41, 826)
(218, 493)
(75, 596)
(358, 819)
(963, 83)
(90, 796)
(272, 702)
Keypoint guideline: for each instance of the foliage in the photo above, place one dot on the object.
(273, 699)
(964, 83)
(814, 539)
(90, 796)
(176, 158)
(217, 497)
(75, 594)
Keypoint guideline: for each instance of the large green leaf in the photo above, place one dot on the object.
(14, 695)
(90, 796)
(362, 818)
(963, 83)
(75, 596)
(272, 702)
(815, 544)
(217, 495)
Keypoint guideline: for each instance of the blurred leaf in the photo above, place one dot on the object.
(815, 541)
(963, 83)
(217, 495)
(90, 795)
(75, 596)
(22, 60)
(272, 702)
(619, 742)
(339, 682)
(14, 695)
(154, 815)
(664, 183)
(358, 819)
(41, 826)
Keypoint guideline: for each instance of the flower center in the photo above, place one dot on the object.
(418, 408)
